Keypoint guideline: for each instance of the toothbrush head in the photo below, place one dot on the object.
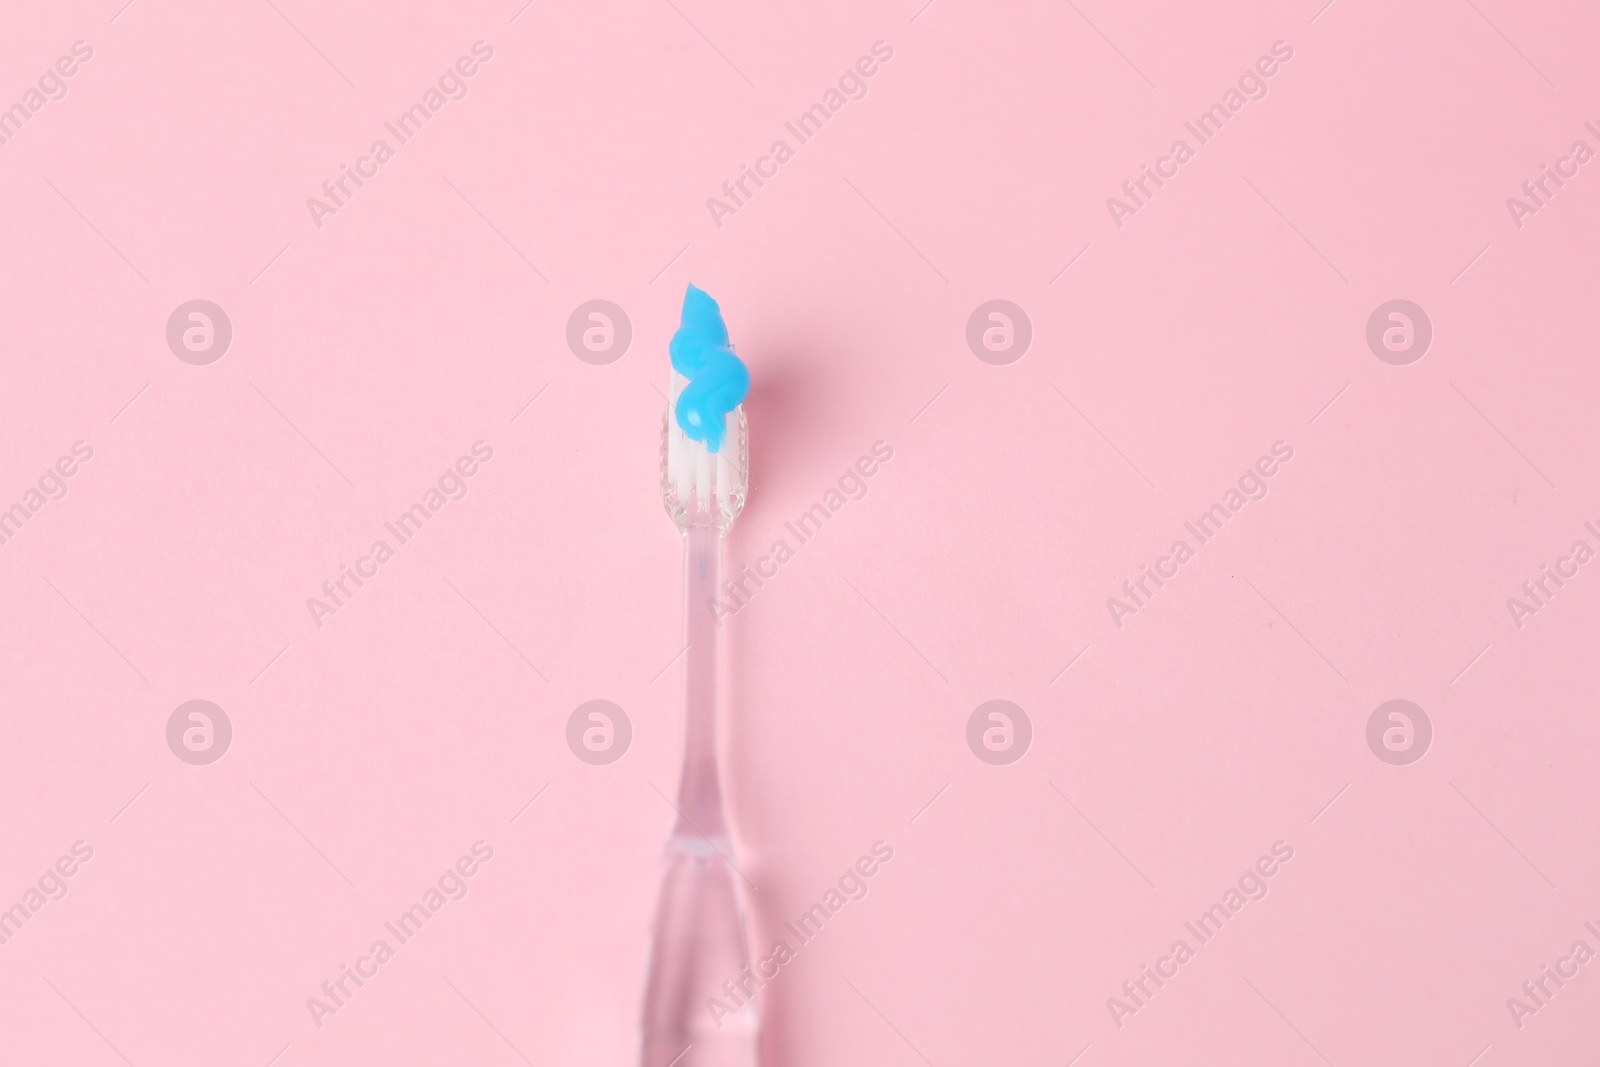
(705, 446)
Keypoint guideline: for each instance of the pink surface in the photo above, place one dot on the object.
(1175, 341)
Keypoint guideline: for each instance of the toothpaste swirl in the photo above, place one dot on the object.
(718, 380)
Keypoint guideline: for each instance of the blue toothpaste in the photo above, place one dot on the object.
(718, 380)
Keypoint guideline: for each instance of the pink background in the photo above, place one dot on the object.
(371, 352)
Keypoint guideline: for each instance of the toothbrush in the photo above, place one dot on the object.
(697, 953)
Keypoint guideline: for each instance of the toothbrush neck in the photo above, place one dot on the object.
(700, 790)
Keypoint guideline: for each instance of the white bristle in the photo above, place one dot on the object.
(702, 475)
(725, 468)
(697, 480)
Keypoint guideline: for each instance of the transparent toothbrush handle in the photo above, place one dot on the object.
(698, 945)
(696, 1013)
